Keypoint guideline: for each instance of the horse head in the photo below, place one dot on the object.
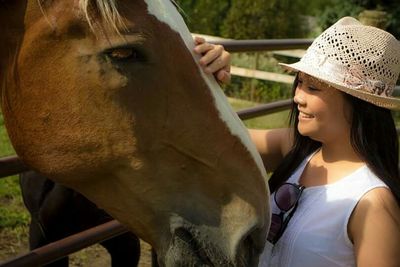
(106, 97)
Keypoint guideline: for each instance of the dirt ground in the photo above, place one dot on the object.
(15, 242)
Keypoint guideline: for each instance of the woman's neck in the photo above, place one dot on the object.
(330, 164)
(331, 153)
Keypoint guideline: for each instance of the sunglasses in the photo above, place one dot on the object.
(286, 198)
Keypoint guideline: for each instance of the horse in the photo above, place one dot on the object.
(107, 98)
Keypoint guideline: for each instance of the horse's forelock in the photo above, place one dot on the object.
(107, 9)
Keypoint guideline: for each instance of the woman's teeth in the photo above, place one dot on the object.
(305, 115)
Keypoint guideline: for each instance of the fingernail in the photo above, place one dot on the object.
(222, 77)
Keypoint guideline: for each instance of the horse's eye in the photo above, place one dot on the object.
(125, 54)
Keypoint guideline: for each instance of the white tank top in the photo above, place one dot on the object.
(316, 236)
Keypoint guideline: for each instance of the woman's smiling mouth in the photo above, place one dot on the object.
(303, 115)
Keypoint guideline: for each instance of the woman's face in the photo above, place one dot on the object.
(324, 112)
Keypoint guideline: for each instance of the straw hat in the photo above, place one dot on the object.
(360, 60)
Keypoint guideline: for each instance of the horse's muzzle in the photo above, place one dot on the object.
(189, 247)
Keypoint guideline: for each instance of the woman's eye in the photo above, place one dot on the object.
(313, 89)
(124, 54)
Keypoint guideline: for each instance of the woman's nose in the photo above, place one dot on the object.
(299, 97)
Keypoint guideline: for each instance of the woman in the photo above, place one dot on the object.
(336, 181)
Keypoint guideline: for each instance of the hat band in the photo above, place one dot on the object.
(350, 77)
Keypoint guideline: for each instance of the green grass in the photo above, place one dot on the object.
(5, 146)
(12, 211)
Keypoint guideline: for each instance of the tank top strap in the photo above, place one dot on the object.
(294, 178)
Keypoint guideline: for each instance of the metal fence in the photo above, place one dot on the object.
(59, 249)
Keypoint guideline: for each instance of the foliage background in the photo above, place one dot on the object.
(263, 19)
(273, 19)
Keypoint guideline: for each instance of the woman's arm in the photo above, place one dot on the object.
(374, 228)
(272, 145)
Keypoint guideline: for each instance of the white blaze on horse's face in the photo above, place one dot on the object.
(165, 11)
(131, 121)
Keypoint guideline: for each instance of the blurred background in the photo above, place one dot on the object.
(276, 19)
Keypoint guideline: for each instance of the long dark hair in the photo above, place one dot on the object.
(373, 137)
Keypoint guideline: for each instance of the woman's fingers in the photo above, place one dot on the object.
(199, 40)
(204, 48)
(223, 76)
(215, 60)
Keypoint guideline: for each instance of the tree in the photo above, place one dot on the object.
(205, 16)
(260, 19)
(331, 13)
(340, 8)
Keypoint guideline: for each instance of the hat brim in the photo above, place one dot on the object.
(381, 101)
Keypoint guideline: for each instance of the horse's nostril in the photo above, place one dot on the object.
(184, 235)
(249, 249)
(196, 248)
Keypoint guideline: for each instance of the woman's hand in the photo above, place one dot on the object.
(214, 59)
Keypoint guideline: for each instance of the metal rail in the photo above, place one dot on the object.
(264, 45)
(264, 109)
(59, 249)
(13, 165)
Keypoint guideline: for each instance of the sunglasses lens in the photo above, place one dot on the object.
(276, 225)
(286, 196)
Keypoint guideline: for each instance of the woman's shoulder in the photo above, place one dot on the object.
(374, 228)
(380, 199)
(377, 200)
